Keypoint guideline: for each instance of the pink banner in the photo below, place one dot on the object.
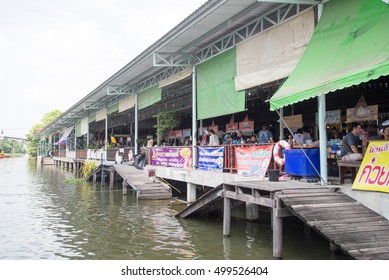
(253, 160)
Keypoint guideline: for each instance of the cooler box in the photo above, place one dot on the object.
(298, 165)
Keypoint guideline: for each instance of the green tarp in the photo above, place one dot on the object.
(78, 129)
(216, 95)
(349, 46)
(149, 97)
(112, 109)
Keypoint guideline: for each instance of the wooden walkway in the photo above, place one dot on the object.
(146, 187)
(347, 224)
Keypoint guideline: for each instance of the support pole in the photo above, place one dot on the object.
(227, 217)
(106, 132)
(282, 136)
(277, 231)
(194, 117)
(191, 192)
(136, 140)
(321, 104)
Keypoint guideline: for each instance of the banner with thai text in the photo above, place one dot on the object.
(211, 159)
(170, 156)
(253, 160)
(373, 174)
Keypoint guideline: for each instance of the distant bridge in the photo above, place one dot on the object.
(15, 138)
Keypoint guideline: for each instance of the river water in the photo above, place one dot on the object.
(44, 218)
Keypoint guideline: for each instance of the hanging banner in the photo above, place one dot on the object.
(173, 157)
(373, 174)
(246, 125)
(211, 159)
(253, 160)
(294, 121)
(231, 126)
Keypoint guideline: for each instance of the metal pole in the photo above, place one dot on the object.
(194, 117)
(106, 132)
(321, 108)
(136, 125)
(282, 136)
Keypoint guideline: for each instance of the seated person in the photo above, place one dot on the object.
(299, 137)
(348, 148)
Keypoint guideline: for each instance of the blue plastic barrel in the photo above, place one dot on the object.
(297, 164)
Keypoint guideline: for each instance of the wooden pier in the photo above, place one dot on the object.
(348, 225)
(145, 186)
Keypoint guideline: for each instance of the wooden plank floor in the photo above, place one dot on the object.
(147, 188)
(354, 228)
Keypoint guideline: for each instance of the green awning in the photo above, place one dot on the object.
(149, 97)
(216, 95)
(349, 46)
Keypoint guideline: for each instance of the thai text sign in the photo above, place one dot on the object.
(169, 156)
(211, 159)
(373, 175)
(253, 160)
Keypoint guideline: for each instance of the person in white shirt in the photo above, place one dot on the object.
(213, 139)
(299, 137)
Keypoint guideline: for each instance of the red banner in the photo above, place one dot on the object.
(253, 160)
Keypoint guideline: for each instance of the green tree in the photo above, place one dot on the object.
(36, 128)
(165, 121)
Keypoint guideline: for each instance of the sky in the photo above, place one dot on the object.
(55, 52)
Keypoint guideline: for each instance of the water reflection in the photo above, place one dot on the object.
(44, 218)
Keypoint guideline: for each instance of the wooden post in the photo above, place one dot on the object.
(94, 178)
(124, 186)
(277, 231)
(226, 216)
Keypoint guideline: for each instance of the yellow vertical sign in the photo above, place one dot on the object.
(373, 175)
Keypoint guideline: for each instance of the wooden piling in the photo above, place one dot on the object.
(277, 231)
(227, 217)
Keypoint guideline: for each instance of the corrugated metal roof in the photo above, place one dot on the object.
(210, 22)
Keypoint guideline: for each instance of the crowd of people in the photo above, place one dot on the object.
(302, 137)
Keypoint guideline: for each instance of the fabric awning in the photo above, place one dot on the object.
(127, 103)
(273, 54)
(349, 46)
(176, 78)
(216, 95)
(149, 97)
(65, 135)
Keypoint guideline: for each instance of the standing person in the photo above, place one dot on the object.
(265, 136)
(348, 148)
(213, 139)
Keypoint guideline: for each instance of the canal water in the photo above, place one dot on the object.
(41, 217)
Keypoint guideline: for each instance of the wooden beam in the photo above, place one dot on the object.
(249, 198)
